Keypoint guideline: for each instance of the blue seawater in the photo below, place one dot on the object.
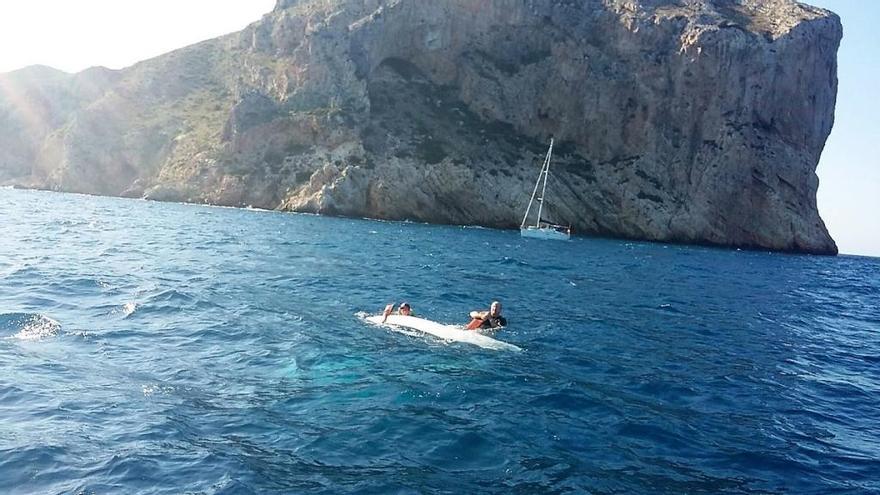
(165, 348)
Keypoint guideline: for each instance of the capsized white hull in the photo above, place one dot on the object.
(446, 332)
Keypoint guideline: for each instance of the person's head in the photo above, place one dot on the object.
(405, 309)
(495, 308)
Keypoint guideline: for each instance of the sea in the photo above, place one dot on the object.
(161, 348)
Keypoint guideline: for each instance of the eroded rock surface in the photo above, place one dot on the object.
(687, 121)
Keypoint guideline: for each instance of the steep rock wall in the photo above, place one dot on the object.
(688, 121)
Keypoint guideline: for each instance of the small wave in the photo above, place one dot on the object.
(171, 296)
(79, 333)
(510, 261)
(155, 388)
(26, 271)
(28, 326)
(129, 308)
(167, 300)
(669, 308)
(84, 283)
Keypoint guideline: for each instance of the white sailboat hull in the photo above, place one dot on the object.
(542, 229)
(544, 233)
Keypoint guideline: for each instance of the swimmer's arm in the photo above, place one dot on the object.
(388, 310)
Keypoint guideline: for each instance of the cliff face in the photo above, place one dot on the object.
(689, 121)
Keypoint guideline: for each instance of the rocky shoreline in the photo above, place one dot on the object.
(691, 122)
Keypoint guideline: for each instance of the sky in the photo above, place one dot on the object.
(849, 170)
(74, 35)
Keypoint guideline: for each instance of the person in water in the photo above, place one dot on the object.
(403, 310)
(487, 319)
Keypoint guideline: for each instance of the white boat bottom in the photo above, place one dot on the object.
(445, 332)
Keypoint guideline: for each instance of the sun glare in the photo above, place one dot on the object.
(72, 36)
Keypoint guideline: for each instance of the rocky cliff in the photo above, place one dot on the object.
(676, 120)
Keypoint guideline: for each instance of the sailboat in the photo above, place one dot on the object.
(543, 229)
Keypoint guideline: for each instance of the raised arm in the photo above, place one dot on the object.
(388, 310)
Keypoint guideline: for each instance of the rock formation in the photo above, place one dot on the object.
(676, 120)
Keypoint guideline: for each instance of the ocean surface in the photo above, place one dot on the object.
(150, 348)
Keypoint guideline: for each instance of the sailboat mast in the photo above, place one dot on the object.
(532, 200)
(534, 193)
(546, 171)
